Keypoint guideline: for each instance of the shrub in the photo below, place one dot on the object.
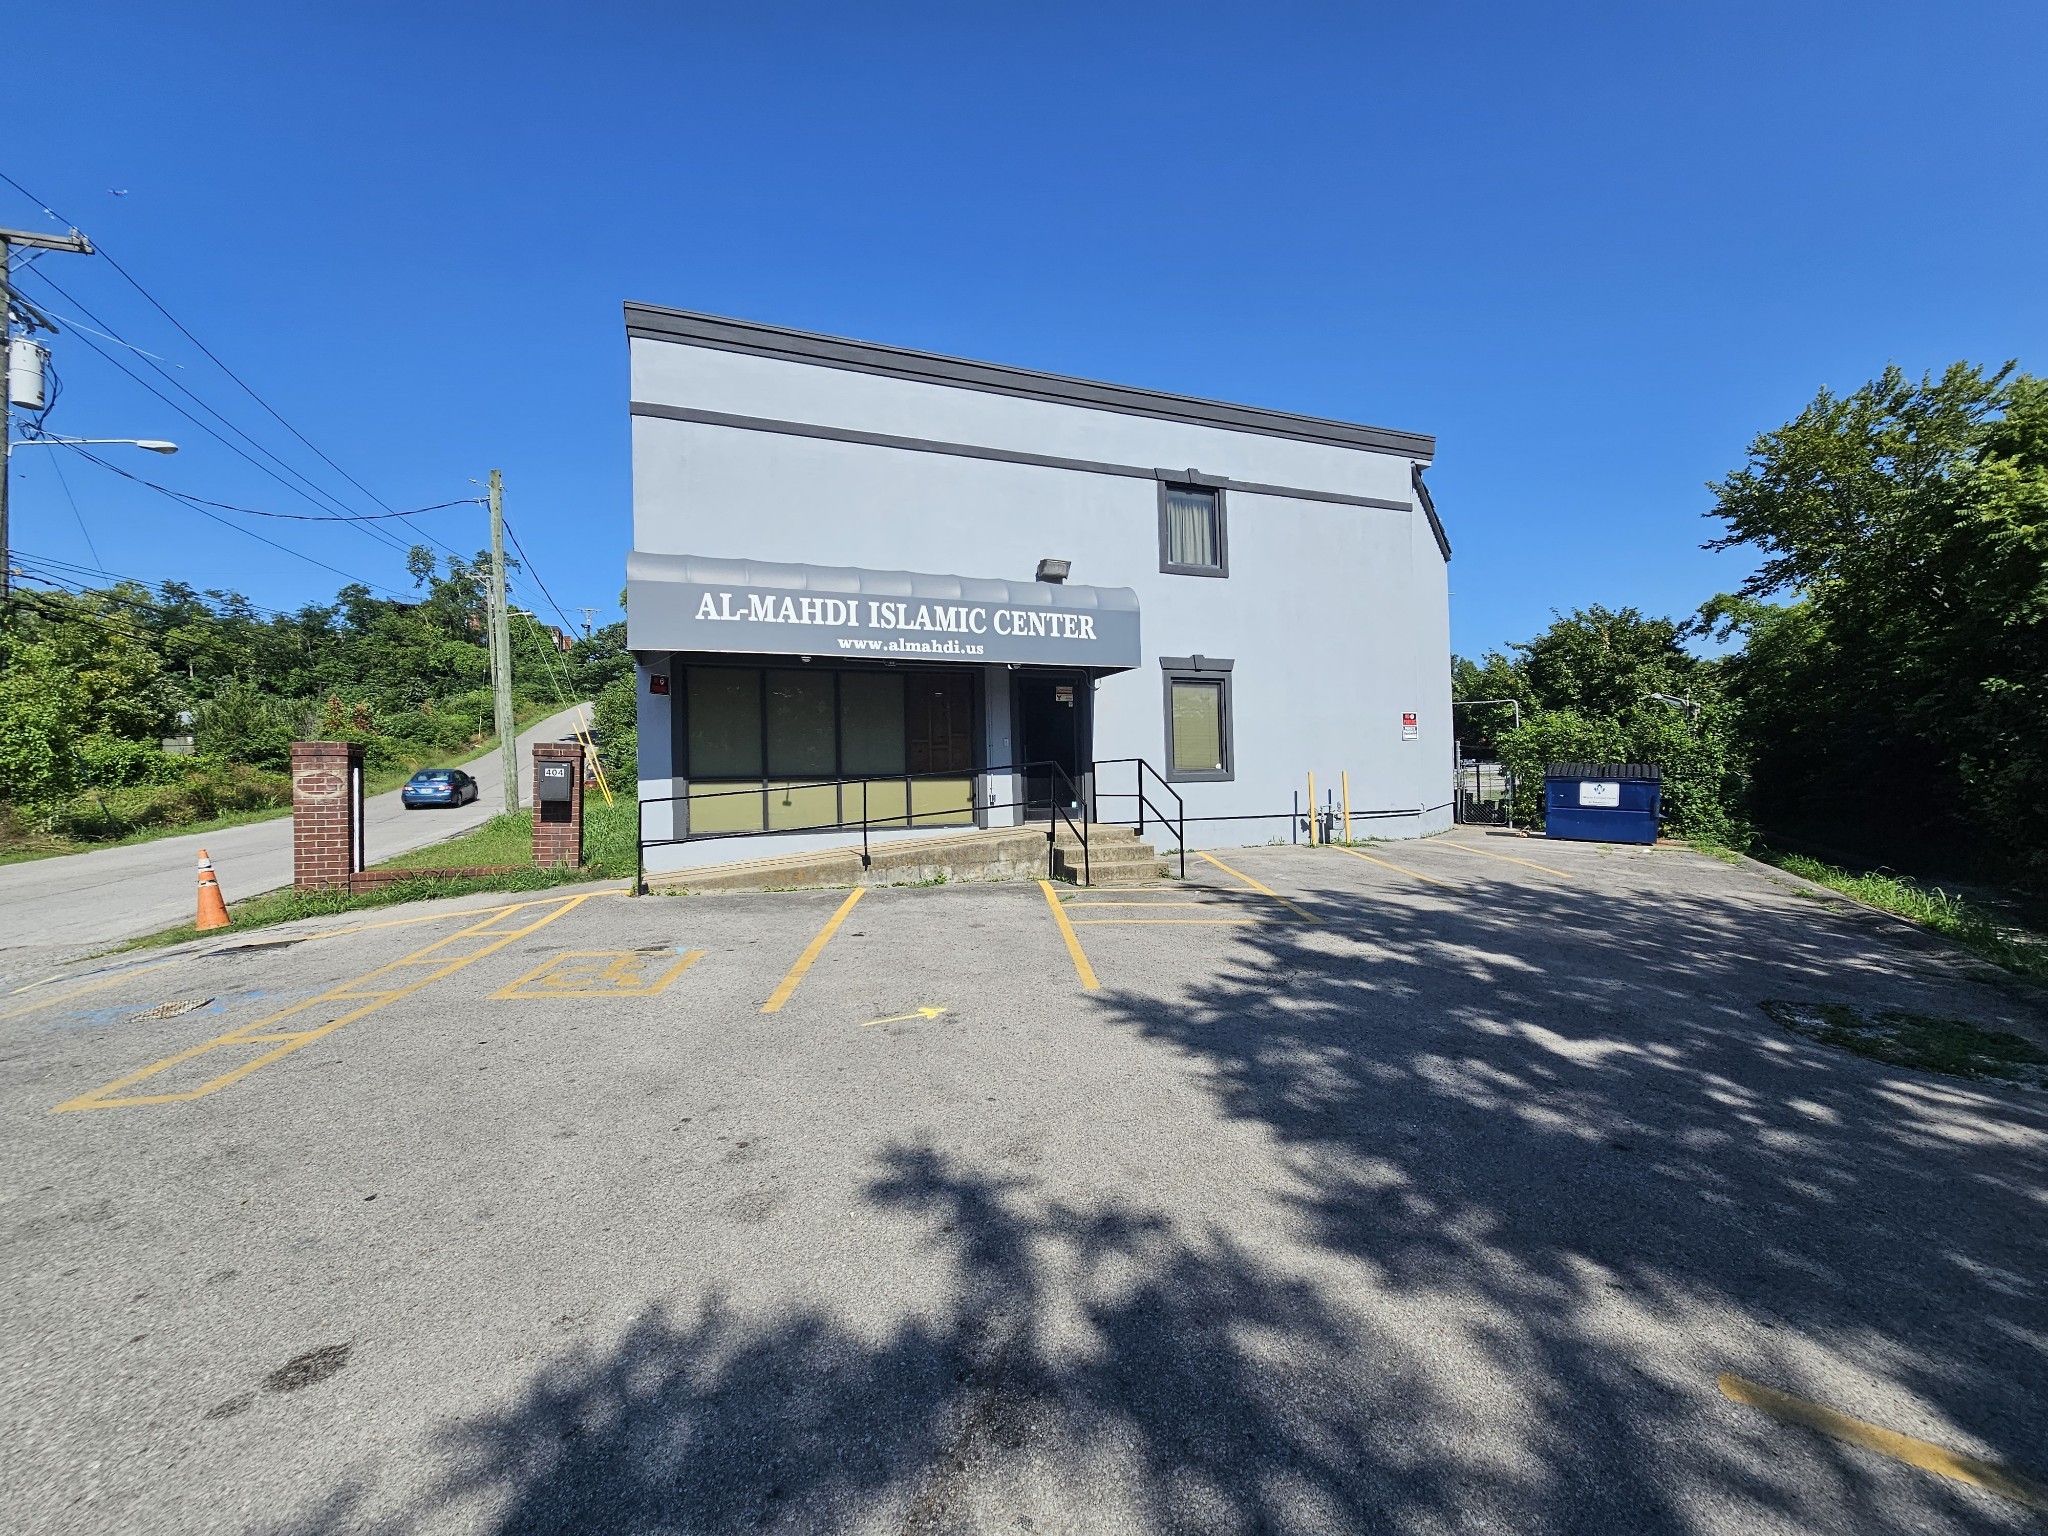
(618, 733)
(41, 714)
(241, 724)
(208, 790)
(1702, 780)
(111, 762)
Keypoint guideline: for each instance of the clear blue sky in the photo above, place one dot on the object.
(1594, 249)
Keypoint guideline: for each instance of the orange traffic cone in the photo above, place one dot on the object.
(213, 912)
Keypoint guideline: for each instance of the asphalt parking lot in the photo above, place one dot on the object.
(1420, 1188)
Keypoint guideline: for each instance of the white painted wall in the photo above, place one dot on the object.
(1337, 617)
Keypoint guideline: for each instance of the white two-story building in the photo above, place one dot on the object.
(870, 583)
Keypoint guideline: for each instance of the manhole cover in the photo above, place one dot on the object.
(170, 1010)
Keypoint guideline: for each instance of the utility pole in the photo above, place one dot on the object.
(588, 614)
(501, 649)
(9, 239)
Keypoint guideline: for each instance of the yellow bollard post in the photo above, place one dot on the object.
(1344, 778)
(1311, 807)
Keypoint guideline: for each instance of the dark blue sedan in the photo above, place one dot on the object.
(438, 786)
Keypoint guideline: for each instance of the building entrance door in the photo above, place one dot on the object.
(1053, 726)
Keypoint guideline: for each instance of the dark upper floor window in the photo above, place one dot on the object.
(1191, 532)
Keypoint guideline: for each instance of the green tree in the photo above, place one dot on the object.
(1897, 696)
(618, 733)
(42, 714)
(1590, 687)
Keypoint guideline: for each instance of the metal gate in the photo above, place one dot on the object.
(1485, 793)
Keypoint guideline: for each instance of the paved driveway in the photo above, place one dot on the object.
(1430, 1195)
(85, 901)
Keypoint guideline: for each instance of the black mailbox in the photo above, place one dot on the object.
(557, 783)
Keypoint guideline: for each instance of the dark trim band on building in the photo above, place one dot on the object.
(1007, 456)
(655, 323)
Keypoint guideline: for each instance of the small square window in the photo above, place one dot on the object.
(1198, 725)
(1191, 530)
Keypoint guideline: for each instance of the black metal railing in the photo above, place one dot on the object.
(907, 819)
(1177, 823)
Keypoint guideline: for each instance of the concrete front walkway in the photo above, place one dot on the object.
(82, 901)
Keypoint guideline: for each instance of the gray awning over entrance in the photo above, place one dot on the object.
(761, 608)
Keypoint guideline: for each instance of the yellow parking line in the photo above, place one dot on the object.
(624, 976)
(108, 1095)
(1923, 1454)
(119, 976)
(405, 922)
(811, 952)
(1071, 905)
(1079, 956)
(1261, 889)
(1383, 864)
(1169, 922)
(1488, 853)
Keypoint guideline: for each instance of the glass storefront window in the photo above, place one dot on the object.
(800, 728)
(871, 724)
(791, 731)
(724, 711)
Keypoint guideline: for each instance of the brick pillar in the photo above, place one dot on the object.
(327, 814)
(557, 824)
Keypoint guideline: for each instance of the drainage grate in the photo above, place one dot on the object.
(170, 1010)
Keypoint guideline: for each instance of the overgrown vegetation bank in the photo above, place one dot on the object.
(125, 709)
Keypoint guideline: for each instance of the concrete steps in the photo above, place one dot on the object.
(1116, 857)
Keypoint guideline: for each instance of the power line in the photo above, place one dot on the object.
(228, 506)
(81, 616)
(57, 468)
(68, 576)
(346, 514)
(223, 367)
(527, 561)
(186, 390)
(247, 532)
(376, 533)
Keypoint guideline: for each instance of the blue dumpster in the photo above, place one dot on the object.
(1602, 802)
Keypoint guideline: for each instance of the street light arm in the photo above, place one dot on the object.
(150, 444)
(1514, 704)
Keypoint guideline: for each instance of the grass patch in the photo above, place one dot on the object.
(1900, 1039)
(611, 833)
(506, 839)
(2011, 947)
(1715, 850)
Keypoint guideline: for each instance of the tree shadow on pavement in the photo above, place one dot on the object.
(1548, 1169)
(1570, 1110)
